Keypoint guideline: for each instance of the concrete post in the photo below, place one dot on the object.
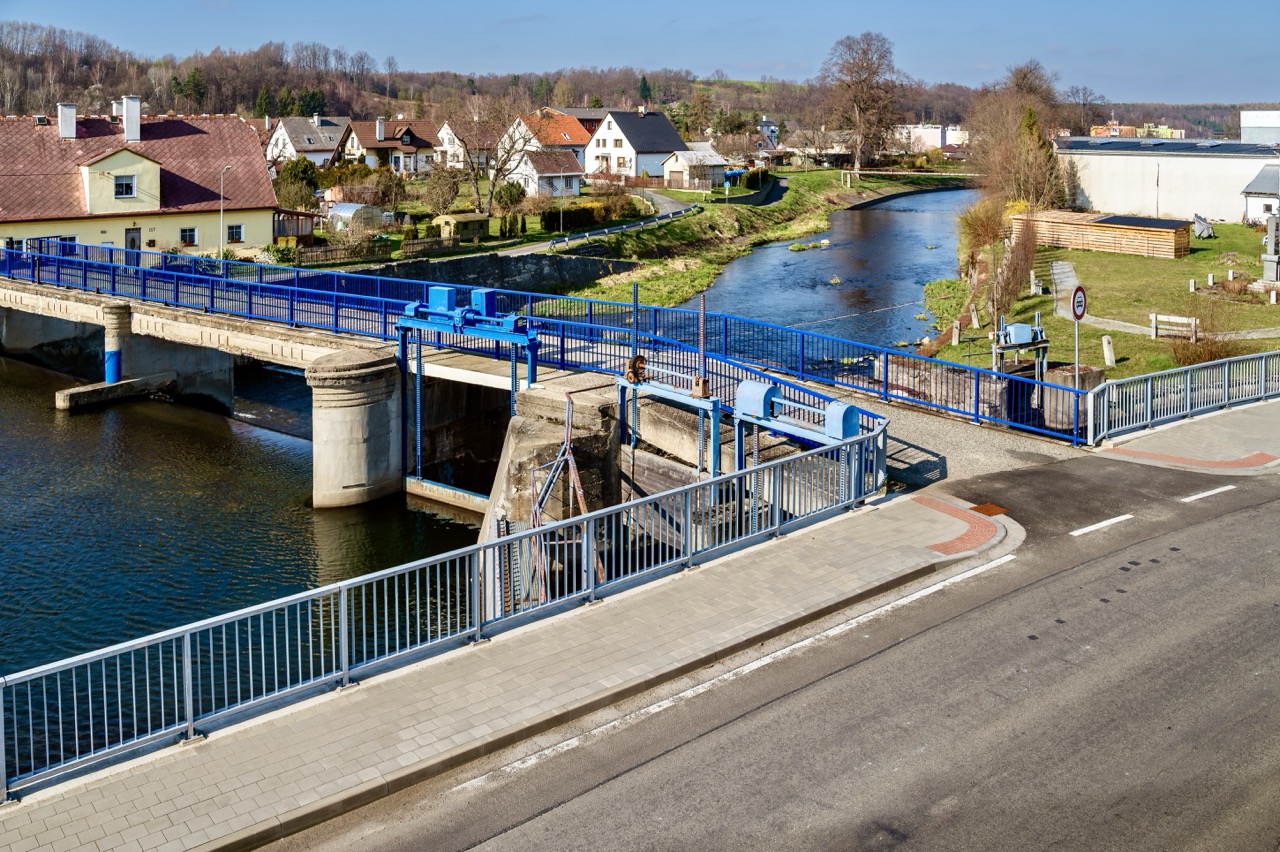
(356, 427)
(1108, 351)
(117, 323)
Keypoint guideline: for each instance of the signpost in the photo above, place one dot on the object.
(1079, 305)
(726, 187)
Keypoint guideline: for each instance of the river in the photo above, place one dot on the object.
(866, 284)
(143, 516)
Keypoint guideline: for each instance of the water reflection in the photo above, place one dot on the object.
(866, 284)
(143, 516)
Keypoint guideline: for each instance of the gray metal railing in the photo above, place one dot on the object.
(1125, 405)
(69, 715)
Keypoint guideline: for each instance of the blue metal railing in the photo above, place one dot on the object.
(335, 301)
(1127, 405)
(66, 716)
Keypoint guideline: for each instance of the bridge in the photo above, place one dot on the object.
(366, 344)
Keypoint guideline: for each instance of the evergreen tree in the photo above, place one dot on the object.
(311, 102)
(646, 93)
(594, 102)
(262, 106)
(286, 104)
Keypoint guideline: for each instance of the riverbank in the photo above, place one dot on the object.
(683, 257)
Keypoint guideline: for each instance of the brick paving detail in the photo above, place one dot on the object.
(1253, 460)
(980, 529)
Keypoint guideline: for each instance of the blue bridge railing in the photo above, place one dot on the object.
(367, 304)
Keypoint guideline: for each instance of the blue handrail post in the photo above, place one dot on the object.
(977, 394)
(4, 761)
(884, 388)
(473, 598)
(112, 278)
(800, 366)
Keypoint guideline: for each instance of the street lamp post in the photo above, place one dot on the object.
(222, 231)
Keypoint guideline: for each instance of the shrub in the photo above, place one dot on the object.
(755, 178)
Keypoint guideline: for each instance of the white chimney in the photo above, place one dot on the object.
(315, 119)
(640, 109)
(66, 121)
(381, 132)
(266, 122)
(117, 108)
(132, 118)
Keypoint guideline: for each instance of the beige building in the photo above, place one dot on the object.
(186, 183)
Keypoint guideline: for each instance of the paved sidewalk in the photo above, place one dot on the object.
(1235, 441)
(257, 781)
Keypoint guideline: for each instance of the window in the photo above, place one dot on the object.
(608, 125)
(617, 143)
(622, 162)
(309, 140)
(187, 236)
(404, 140)
(600, 142)
(124, 186)
(235, 233)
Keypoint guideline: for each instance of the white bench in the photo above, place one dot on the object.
(1172, 326)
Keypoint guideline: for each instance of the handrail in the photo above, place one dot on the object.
(69, 715)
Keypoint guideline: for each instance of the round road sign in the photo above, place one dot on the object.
(1078, 303)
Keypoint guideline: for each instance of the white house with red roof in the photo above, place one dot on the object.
(191, 183)
(546, 130)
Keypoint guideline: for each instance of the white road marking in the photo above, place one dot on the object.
(667, 703)
(1201, 496)
(1101, 524)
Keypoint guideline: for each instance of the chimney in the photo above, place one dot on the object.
(132, 118)
(66, 121)
(315, 119)
(381, 133)
(117, 108)
(640, 109)
(266, 122)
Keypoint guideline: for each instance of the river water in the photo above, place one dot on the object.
(144, 516)
(866, 284)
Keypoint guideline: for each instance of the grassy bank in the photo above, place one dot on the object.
(684, 256)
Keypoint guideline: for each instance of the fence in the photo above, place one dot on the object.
(417, 248)
(370, 250)
(67, 716)
(333, 300)
(1126, 405)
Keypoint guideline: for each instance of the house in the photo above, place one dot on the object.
(919, 138)
(406, 146)
(589, 117)
(1262, 195)
(700, 167)
(548, 173)
(316, 138)
(1114, 129)
(632, 143)
(458, 144)
(1164, 178)
(158, 182)
(464, 226)
(769, 130)
(546, 130)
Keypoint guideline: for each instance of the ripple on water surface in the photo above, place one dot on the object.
(144, 516)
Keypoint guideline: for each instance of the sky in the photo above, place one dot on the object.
(1174, 51)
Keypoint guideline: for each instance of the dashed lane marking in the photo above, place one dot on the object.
(1204, 494)
(1101, 524)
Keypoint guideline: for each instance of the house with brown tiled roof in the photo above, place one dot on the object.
(317, 138)
(406, 146)
(548, 173)
(547, 130)
(192, 183)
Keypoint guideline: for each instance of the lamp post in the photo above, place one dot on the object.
(222, 231)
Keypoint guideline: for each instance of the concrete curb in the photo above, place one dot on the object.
(329, 807)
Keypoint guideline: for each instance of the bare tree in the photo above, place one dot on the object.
(1012, 147)
(1086, 109)
(864, 85)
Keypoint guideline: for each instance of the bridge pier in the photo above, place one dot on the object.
(356, 427)
(116, 322)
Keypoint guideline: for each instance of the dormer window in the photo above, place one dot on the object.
(404, 140)
(124, 186)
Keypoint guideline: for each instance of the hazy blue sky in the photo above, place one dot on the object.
(1173, 51)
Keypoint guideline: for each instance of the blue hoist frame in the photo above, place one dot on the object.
(481, 320)
(696, 397)
(762, 405)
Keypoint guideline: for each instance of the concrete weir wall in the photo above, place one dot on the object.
(463, 428)
(537, 273)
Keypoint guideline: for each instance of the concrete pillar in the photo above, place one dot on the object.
(356, 427)
(116, 320)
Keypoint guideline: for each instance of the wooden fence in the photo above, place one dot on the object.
(320, 255)
(417, 248)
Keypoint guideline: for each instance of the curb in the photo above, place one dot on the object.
(359, 795)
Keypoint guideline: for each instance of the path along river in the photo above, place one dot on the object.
(143, 516)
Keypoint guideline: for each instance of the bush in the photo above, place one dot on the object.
(755, 178)
(285, 255)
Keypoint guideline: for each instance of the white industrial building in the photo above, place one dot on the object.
(1170, 178)
(1260, 126)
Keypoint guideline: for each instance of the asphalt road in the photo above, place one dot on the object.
(1113, 689)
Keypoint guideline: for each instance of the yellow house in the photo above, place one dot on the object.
(187, 183)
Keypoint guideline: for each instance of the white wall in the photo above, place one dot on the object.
(1172, 185)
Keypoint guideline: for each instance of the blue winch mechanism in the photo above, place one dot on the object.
(761, 404)
(1018, 337)
(480, 319)
(640, 378)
